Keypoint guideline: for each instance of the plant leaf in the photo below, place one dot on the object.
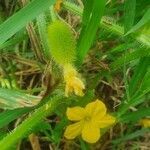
(9, 115)
(11, 99)
(88, 35)
(139, 73)
(129, 14)
(135, 116)
(145, 19)
(22, 17)
(129, 57)
(131, 136)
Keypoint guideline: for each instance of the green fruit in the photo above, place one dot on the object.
(62, 42)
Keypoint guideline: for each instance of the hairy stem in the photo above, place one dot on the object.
(28, 125)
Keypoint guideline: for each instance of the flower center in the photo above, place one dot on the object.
(87, 118)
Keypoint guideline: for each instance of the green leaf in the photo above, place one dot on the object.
(135, 116)
(138, 87)
(27, 126)
(22, 17)
(129, 57)
(58, 130)
(138, 75)
(88, 35)
(88, 4)
(9, 115)
(129, 14)
(19, 37)
(145, 85)
(132, 102)
(145, 19)
(131, 136)
(11, 99)
(84, 145)
(109, 24)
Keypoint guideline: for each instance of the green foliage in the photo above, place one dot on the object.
(9, 115)
(145, 19)
(110, 25)
(90, 26)
(30, 123)
(131, 136)
(140, 71)
(138, 87)
(135, 116)
(12, 99)
(110, 43)
(22, 17)
(125, 59)
(130, 6)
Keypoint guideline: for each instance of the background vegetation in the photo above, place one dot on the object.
(113, 44)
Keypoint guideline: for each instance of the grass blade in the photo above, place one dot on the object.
(139, 73)
(131, 136)
(135, 116)
(145, 19)
(22, 17)
(89, 33)
(8, 116)
(11, 99)
(129, 14)
(129, 57)
(109, 25)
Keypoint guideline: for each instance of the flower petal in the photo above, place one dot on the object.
(68, 90)
(73, 81)
(75, 113)
(145, 122)
(106, 121)
(96, 109)
(90, 133)
(73, 130)
(78, 86)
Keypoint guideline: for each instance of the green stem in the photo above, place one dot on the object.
(52, 14)
(28, 125)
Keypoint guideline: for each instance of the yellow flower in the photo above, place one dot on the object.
(145, 123)
(57, 6)
(89, 121)
(72, 80)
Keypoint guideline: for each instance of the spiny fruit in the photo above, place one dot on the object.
(62, 43)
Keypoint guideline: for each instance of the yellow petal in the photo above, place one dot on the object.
(72, 80)
(75, 113)
(145, 122)
(73, 130)
(106, 121)
(78, 86)
(90, 133)
(96, 108)
(68, 90)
